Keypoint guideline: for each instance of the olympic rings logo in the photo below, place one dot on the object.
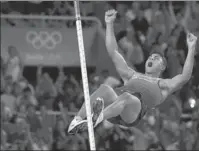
(44, 39)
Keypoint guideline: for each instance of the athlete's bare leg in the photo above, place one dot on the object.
(105, 92)
(126, 106)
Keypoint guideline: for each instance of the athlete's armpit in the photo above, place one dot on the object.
(176, 83)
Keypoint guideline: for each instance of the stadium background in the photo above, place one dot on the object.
(30, 98)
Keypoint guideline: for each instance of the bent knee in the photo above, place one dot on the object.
(107, 93)
(106, 88)
(130, 98)
(131, 111)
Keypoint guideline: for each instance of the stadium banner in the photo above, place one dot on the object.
(47, 46)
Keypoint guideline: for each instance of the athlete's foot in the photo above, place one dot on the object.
(77, 125)
(98, 107)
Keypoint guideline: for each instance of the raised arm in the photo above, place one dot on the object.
(39, 73)
(60, 79)
(122, 68)
(171, 11)
(63, 112)
(187, 14)
(178, 81)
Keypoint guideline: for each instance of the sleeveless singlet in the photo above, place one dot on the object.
(146, 89)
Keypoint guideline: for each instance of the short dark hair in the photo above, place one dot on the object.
(31, 106)
(27, 89)
(121, 35)
(11, 47)
(157, 145)
(68, 83)
(8, 77)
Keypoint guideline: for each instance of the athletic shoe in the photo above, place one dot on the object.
(77, 125)
(98, 107)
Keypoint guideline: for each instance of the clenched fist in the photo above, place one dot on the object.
(191, 40)
(110, 16)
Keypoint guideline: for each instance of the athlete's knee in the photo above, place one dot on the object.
(105, 87)
(129, 98)
(101, 90)
(105, 92)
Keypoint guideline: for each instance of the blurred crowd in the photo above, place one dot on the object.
(35, 114)
(56, 8)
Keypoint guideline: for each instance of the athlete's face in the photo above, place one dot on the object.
(154, 64)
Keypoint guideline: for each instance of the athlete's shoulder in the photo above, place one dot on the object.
(138, 74)
(163, 83)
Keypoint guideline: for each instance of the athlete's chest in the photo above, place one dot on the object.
(142, 79)
(150, 83)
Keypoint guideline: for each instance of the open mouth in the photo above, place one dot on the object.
(150, 64)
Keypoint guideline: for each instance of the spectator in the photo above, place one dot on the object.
(2, 76)
(9, 99)
(174, 65)
(130, 47)
(14, 64)
(17, 89)
(60, 80)
(27, 98)
(33, 119)
(68, 97)
(140, 23)
(157, 146)
(45, 86)
(8, 81)
(152, 12)
(45, 89)
(132, 12)
(142, 28)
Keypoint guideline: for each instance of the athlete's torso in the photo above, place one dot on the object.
(148, 87)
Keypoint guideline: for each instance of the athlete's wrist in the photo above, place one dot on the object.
(192, 50)
(109, 24)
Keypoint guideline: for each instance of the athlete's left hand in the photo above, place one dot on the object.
(191, 40)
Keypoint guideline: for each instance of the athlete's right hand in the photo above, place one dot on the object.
(191, 40)
(110, 16)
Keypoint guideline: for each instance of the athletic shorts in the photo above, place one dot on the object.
(118, 119)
